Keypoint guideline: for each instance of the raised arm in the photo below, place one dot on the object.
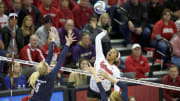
(51, 48)
(98, 45)
(62, 57)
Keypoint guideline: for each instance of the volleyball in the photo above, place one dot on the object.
(100, 7)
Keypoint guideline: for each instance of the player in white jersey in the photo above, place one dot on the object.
(107, 64)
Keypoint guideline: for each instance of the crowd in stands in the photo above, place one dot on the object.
(25, 26)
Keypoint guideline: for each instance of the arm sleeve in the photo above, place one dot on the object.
(40, 55)
(38, 18)
(102, 92)
(124, 90)
(50, 53)
(98, 46)
(156, 30)
(25, 54)
(60, 61)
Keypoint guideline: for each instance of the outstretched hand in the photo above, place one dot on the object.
(70, 39)
(53, 35)
(91, 69)
(104, 74)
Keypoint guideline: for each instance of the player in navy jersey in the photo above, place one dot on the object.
(42, 80)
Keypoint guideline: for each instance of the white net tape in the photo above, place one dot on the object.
(147, 83)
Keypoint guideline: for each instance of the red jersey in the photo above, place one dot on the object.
(56, 52)
(140, 66)
(166, 31)
(81, 15)
(170, 94)
(64, 14)
(29, 54)
(53, 12)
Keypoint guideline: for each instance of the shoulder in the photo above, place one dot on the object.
(25, 48)
(159, 22)
(143, 57)
(77, 47)
(40, 29)
(165, 78)
(129, 58)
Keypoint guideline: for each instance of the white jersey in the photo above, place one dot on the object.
(102, 64)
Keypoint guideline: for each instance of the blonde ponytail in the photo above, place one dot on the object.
(33, 78)
(115, 96)
(42, 69)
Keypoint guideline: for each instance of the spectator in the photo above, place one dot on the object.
(105, 22)
(119, 21)
(27, 28)
(165, 28)
(137, 63)
(172, 78)
(175, 59)
(173, 5)
(154, 10)
(43, 31)
(80, 79)
(16, 7)
(46, 8)
(29, 9)
(64, 12)
(81, 13)
(94, 30)
(7, 33)
(2, 53)
(137, 24)
(3, 17)
(56, 51)
(84, 49)
(15, 78)
(68, 29)
(31, 52)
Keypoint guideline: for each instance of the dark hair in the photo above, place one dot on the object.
(47, 19)
(166, 10)
(173, 66)
(83, 34)
(93, 16)
(81, 60)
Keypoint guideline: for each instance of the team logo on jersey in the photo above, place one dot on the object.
(104, 66)
(141, 62)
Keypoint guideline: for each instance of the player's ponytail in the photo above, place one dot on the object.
(117, 61)
(115, 96)
(42, 69)
(33, 78)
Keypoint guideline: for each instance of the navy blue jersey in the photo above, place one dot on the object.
(120, 84)
(44, 86)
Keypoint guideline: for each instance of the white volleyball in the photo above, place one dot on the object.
(100, 7)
